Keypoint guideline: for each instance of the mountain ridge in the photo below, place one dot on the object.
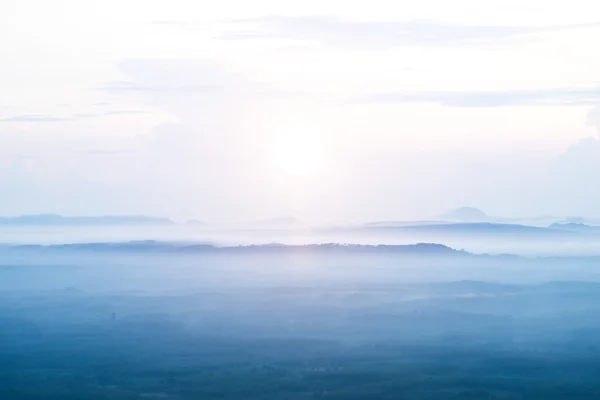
(60, 220)
(466, 214)
(160, 246)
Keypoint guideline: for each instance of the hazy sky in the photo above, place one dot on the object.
(331, 111)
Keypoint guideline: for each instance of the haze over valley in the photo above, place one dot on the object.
(299, 200)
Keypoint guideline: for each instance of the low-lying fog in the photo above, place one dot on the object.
(90, 314)
(477, 238)
(105, 322)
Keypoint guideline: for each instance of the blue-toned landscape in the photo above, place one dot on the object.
(199, 320)
(299, 200)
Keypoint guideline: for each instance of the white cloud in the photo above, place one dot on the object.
(594, 118)
(337, 32)
(97, 99)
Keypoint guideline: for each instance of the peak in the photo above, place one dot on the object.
(55, 219)
(469, 209)
(466, 214)
(571, 226)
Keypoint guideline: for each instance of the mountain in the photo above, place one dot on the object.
(467, 214)
(274, 248)
(439, 232)
(59, 220)
(478, 227)
(579, 220)
(541, 220)
(472, 214)
(575, 227)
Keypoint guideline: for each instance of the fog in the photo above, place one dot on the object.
(172, 320)
(477, 238)
(277, 200)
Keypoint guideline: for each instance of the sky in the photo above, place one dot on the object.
(330, 111)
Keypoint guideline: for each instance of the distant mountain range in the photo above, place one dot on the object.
(467, 214)
(481, 227)
(575, 227)
(473, 214)
(461, 220)
(447, 232)
(59, 220)
(473, 229)
(175, 247)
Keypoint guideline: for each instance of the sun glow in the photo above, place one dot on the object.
(299, 153)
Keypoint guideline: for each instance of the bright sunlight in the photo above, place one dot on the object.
(298, 152)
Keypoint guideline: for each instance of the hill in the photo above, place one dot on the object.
(437, 232)
(59, 220)
(275, 248)
(575, 227)
(466, 214)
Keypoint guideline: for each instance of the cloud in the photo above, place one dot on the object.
(195, 77)
(126, 86)
(574, 177)
(214, 151)
(35, 118)
(128, 112)
(42, 118)
(593, 118)
(337, 32)
(584, 155)
(175, 23)
(104, 152)
(557, 96)
(115, 112)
